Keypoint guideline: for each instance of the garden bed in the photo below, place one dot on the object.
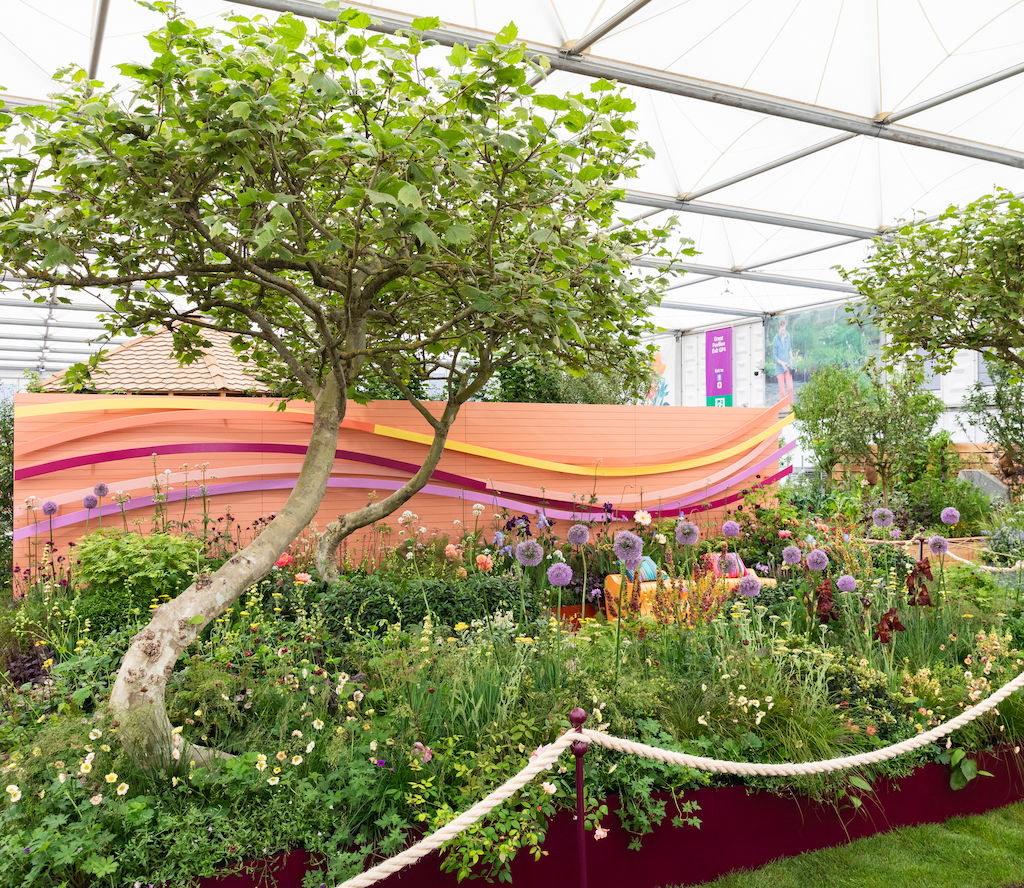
(740, 829)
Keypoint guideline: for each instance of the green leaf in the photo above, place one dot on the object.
(510, 143)
(507, 34)
(197, 620)
(957, 757)
(424, 234)
(859, 782)
(410, 196)
(240, 109)
(458, 234)
(426, 23)
(292, 31)
(969, 767)
(381, 197)
(355, 45)
(458, 56)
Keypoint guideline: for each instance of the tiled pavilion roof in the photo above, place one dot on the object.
(147, 365)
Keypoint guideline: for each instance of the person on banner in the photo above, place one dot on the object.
(782, 351)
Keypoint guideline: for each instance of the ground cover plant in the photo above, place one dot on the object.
(355, 715)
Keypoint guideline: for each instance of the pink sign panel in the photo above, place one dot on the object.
(718, 344)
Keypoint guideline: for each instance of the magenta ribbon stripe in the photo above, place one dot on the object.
(355, 483)
(370, 459)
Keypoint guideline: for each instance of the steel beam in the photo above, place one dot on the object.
(680, 85)
(47, 347)
(97, 38)
(28, 337)
(771, 165)
(764, 217)
(1006, 73)
(588, 40)
(60, 325)
(761, 277)
(710, 309)
(56, 306)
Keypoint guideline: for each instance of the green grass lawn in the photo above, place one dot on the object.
(986, 851)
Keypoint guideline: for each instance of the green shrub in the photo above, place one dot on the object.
(929, 496)
(122, 573)
(366, 599)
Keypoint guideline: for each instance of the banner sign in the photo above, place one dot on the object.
(718, 345)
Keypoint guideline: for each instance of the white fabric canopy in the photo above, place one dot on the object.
(722, 87)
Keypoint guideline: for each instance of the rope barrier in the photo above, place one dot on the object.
(987, 567)
(547, 755)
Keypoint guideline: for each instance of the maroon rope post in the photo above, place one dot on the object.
(579, 748)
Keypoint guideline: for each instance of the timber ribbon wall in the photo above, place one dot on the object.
(520, 458)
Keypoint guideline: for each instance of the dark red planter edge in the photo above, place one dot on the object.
(740, 829)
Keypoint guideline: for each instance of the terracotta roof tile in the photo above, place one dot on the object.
(147, 365)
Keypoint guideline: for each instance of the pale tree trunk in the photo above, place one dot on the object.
(137, 699)
(336, 531)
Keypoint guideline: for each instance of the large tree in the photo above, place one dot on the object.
(341, 205)
(955, 283)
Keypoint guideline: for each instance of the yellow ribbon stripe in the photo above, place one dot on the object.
(159, 403)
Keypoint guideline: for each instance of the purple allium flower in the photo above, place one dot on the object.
(846, 583)
(559, 574)
(791, 555)
(529, 553)
(937, 545)
(950, 515)
(629, 548)
(730, 564)
(817, 560)
(895, 534)
(731, 529)
(50, 508)
(101, 489)
(579, 534)
(749, 587)
(687, 533)
(882, 517)
(89, 501)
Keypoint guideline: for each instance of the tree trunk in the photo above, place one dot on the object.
(137, 699)
(336, 531)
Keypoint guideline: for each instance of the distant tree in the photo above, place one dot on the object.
(998, 410)
(823, 408)
(956, 283)
(344, 209)
(891, 422)
(544, 382)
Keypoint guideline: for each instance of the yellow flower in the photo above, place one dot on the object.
(122, 789)
(297, 760)
(111, 777)
(460, 626)
(273, 781)
(85, 767)
(261, 766)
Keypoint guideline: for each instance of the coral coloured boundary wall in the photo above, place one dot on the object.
(740, 829)
(524, 458)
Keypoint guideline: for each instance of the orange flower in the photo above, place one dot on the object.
(484, 562)
(453, 552)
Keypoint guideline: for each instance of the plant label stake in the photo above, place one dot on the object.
(579, 748)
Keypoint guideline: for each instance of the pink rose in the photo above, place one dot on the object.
(302, 578)
(785, 533)
(600, 832)
(283, 560)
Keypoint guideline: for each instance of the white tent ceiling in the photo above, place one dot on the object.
(880, 110)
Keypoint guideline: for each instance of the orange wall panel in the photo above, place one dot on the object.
(516, 458)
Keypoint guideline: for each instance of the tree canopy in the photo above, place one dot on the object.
(955, 283)
(342, 202)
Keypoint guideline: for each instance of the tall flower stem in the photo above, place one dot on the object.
(618, 625)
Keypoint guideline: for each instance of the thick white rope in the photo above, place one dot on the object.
(1012, 569)
(549, 754)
